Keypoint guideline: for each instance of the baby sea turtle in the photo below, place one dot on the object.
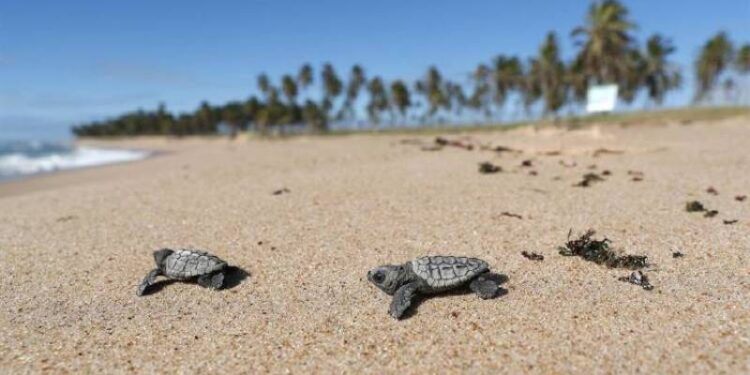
(432, 274)
(186, 264)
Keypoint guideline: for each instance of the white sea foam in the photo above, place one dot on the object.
(25, 163)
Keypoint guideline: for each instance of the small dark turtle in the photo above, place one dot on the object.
(432, 274)
(186, 264)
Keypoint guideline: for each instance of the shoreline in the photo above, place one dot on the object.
(138, 154)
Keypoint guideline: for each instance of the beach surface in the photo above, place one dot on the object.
(74, 245)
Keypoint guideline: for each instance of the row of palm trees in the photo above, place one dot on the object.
(543, 84)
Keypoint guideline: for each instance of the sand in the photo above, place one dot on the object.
(74, 245)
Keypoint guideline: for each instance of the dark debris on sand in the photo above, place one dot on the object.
(440, 141)
(527, 163)
(432, 148)
(532, 256)
(487, 168)
(694, 206)
(638, 278)
(510, 214)
(598, 251)
(740, 198)
(637, 175)
(711, 190)
(588, 179)
(729, 222)
(281, 191)
(501, 149)
(677, 254)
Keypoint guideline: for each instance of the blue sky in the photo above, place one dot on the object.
(68, 61)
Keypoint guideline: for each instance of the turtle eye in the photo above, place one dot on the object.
(378, 277)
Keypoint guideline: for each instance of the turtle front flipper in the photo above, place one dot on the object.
(402, 299)
(212, 281)
(149, 280)
(485, 287)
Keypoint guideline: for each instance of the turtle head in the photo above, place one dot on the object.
(387, 278)
(161, 255)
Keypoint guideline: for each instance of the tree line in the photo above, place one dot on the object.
(607, 52)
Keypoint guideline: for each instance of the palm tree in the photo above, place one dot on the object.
(633, 78)
(742, 63)
(433, 91)
(549, 72)
(314, 116)
(305, 76)
(357, 80)
(400, 99)
(331, 87)
(205, 119)
(659, 74)
(576, 82)
(272, 112)
(606, 41)
(507, 76)
(232, 115)
(529, 88)
(714, 58)
(289, 87)
(264, 84)
(378, 99)
(478, 99)
(456, 98)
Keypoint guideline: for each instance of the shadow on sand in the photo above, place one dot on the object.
(233, 276)
(419, 299)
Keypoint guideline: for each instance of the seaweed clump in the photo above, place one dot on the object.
(598, 251)
(281, 191)
(487, 168)
(588, 179)
(694, 206)
(440, 141)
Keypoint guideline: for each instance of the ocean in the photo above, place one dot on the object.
(26, 151)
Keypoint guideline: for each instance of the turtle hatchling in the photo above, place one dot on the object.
(186, 264)
(433, 274)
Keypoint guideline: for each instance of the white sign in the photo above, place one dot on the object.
(601, 98)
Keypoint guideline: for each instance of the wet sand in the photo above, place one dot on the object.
(74, 245)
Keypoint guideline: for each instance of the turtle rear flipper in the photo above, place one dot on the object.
(212, 281)
(149, 280)
(485, 288)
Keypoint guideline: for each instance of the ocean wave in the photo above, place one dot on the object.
(19, 159)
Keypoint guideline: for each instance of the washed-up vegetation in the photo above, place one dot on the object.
(599, 252)
(694, 206)
(588, 179)
(489, 168)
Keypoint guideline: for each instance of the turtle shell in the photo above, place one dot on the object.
(185, 264)
(443, 272)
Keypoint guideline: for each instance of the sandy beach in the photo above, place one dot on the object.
(74, 245)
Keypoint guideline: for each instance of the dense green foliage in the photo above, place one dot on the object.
(607, 52)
